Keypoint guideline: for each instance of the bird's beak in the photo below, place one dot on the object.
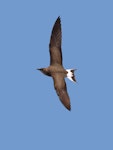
(38, 69)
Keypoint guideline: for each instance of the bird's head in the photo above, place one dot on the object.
(45, 71)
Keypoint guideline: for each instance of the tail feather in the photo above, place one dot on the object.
(70, 74)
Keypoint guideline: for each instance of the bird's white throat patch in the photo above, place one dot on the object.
(70, 74)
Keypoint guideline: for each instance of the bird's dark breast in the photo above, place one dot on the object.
(47, 73)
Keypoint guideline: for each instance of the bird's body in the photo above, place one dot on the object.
(56, 69)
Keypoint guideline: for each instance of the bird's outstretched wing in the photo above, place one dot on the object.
(55, 44)
(61, 89)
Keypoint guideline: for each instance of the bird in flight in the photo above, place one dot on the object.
(56, 69)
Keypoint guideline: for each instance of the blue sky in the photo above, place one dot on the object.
(31, 115)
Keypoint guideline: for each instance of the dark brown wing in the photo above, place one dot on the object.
(55, 44)
(61, 89)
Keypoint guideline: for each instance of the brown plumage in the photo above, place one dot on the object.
(56, 69)
(55, 44)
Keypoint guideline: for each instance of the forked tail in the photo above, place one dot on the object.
(70, 74)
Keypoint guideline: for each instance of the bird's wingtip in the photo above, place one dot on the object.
(69, 108)
(59, 18)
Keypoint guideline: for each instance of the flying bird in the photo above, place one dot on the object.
(56, 69)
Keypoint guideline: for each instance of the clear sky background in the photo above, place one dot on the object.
(31, 115)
